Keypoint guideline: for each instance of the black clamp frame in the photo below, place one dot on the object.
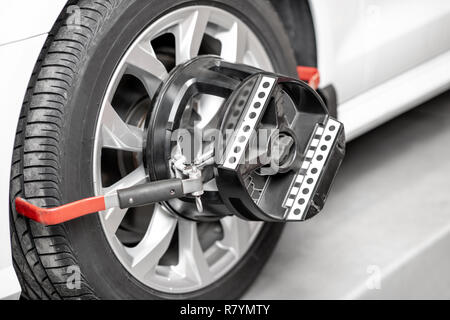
(297, 189)
(282, 177)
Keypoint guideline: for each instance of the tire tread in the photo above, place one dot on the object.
(42, 254)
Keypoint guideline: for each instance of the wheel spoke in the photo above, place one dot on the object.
(143, 63)
(207, 108)
(146, 255)
(116, 134)
(234, 43)
(189, 35)
(236, 235)
(192, 260)
(137, 176)
(114, 216)
(113, 219)
(142, 59)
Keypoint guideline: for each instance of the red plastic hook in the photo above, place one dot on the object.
(310, 75)
(60, 214)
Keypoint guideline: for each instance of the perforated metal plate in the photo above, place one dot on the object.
(304, 184)
(247, 126)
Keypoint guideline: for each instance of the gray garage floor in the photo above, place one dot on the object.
(385, 231)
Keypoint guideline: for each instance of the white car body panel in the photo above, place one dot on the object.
(25, 25)
(21, 19)
(395, 96)
(362, 43)
(368, 48)
(382, 56)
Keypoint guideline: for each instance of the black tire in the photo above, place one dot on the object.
(53, 152)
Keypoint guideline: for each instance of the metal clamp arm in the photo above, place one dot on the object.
(135, 196)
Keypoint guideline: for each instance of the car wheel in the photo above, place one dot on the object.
(100, 75)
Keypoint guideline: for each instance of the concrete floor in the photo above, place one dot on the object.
(385, 231)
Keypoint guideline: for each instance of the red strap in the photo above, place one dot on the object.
(310, 75)
(60, 214)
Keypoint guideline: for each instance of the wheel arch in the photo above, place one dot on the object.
(297, 15)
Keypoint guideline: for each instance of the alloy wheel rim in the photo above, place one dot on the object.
(197, 267)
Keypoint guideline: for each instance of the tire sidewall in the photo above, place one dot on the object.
(104, 272)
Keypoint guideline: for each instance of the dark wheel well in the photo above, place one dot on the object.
(298, 22)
